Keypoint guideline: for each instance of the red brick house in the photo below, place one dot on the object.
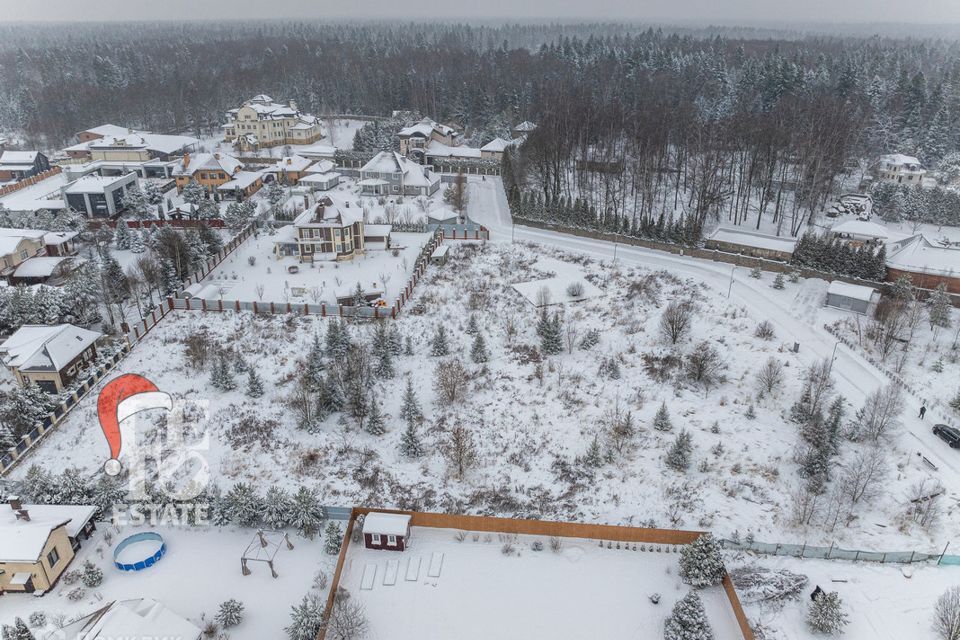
(388, 531)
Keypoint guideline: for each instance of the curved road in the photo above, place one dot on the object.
(855, 376)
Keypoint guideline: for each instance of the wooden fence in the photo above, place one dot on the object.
(32, 180)
(545, 528)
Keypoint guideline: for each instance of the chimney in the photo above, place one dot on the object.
(216, 156)
(289, 160)
(293, 105)
(22, 514)
(14, 502)
(186, 160)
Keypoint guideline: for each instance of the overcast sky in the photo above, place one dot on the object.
(725, 11)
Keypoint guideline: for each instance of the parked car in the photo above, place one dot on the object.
(948, 434)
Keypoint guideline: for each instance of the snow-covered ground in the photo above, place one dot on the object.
(883, 601)
(581, 591)
(200, 570)
(322, 281)
(36, 195)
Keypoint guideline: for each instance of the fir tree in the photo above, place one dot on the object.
(18, 631)
(136, 243)
(168, 275)
(701, 564)
(940, 307)
(756, 272)
(661, 421)
(410, 445)
(306, 514)
(315, 365)
(678, 456)
(306, 619)
(383, 351)
(244, 505)
(122, 236)
(210, 238)
(826, 614)
(193, 193)
(91, 575)
(472, 328)
(222, 377)
(778, 281)
(374, 423)
(594, 455)
(334, 538)
(329, 399)
(410, 410)
(408, 346)
(479, 353)
(688, 620)
(439, 347)
(551, 340)
(254, 384)
(590, 339)
(277, 508)
(230, 613)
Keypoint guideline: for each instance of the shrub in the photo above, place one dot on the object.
(575, 289)
(765, 330)
(230, 613)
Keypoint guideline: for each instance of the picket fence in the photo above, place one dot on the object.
(834, 552)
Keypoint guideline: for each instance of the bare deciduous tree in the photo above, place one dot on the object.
(879, 415)
(450, 379)
(861, 477)
(460, 450)
(676, 320)
(924, 503)
(348, 620)
(946, 614)
(770, 376)
(704, 365)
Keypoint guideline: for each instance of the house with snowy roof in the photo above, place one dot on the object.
(289, 169)
(49, 356)
(328, 231)
(17, 165)
(523, 129)
(899, 168)
(495, 149)
(55, 243)
(38, 542)
(104, 130)
(416, 137)
(18, 246)
(927, 264)
(751, 243)
(261, 123)
(110, 143)
(136, 619)
(98, 196)
(389, 173)
(209, 170)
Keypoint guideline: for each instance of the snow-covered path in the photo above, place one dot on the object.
(855, 376)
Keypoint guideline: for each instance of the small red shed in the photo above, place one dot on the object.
(390, 531)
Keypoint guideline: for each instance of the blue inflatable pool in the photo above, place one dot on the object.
(148, 545)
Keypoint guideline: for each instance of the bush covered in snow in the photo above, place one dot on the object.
(701, 564)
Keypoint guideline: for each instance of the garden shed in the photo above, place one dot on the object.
(390, 531)
(851, 297)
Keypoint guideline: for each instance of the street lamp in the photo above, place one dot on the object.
(834, 356)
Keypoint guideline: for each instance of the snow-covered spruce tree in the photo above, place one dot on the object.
(384, 356)
(688, 620)
(826, 614)
(169, 279)
(315, 364)
(136, 243)
(439, 347)
(277, 508)
(254, 384)
(478, 352)
(122, 236)
(306, 619)
(193, 193)
(756, 272)
(551, 341)
(472, 328)
(337, 339)
(940, 307)
(244, 505)
(778, 281)
(306, 513)
(91, 575)
(678, 456)
(374, 423)
(590, 339)
(333, 538)
(701, 564)
(230, 613)
(18, 631)
(395, 341)
(211, 238)
(329, 399)
(222, 376)
(408, 346)
(661, 421)
(594, 455)
(410, 410)
(410, 444)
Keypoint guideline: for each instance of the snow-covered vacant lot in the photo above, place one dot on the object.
(443, 587)
(567, 436)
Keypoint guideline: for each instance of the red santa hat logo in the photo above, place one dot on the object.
(120, 399)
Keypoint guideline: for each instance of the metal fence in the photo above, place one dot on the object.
(834, 552)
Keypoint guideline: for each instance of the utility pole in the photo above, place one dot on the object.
(730, 288)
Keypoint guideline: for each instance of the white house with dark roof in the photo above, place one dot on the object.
(49, 356)
(136, 619)
(900, 168)
(260, 123)
(37, 542)
(389, 173)
(415, 138)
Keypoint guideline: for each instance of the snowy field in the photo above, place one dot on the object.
(883, 601)
(556, 290)
(582, 591)
(531, 433)
(322, 281)
(200, 570)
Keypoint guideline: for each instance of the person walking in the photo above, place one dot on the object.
(923, 411)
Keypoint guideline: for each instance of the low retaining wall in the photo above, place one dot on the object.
(535, 527)
(32, 180)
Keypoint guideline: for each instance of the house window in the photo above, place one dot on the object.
(391, 541)
(23, 255)
(71, 370)
(53, 558)
(375, 538)
(396, 188)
